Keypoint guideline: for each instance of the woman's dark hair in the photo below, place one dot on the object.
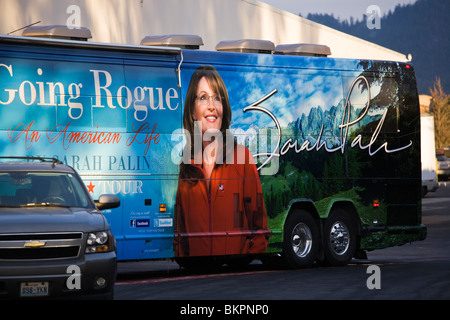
(215, 81)
(217, 85)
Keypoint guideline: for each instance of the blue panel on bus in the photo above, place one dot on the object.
(112, 123)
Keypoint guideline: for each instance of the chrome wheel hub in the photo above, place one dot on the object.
(339, 238)
(301, 240)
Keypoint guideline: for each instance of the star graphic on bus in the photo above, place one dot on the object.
(90, 187)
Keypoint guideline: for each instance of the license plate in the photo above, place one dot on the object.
(34, 289)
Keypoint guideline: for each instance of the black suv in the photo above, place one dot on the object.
(54, 241)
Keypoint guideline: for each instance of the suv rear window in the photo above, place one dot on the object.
(19, 188)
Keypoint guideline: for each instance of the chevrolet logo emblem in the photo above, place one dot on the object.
(34, 244)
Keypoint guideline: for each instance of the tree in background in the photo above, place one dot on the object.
(440, 106)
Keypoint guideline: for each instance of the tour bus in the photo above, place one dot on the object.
(250, 151)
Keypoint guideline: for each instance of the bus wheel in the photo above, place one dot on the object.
(339, 238)
(301, 239)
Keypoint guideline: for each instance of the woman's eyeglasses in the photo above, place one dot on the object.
(204, 100)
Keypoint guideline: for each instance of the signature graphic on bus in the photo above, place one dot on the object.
(344, 127)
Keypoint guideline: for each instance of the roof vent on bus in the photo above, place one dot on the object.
(246, 45)
(303, 49)
(183, 41)
(58, 32)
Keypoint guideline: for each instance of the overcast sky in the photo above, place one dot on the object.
(342, 9)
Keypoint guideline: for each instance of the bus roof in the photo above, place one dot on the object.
(88, 45)
(200, 56)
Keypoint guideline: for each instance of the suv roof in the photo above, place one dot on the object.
(33, 164)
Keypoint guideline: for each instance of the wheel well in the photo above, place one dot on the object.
(307, 205)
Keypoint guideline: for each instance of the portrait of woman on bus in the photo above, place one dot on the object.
(219, 204)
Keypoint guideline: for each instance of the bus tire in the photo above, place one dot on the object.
(301, 239)
(339, 238)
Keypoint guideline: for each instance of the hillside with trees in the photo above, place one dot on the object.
(420, 29)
